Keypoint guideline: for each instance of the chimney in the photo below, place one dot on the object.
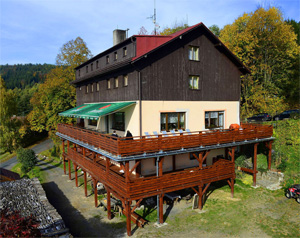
(119, 36)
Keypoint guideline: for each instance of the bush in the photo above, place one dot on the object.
(27, 158)
(239, 161)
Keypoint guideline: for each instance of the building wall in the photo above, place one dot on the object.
(167, 77)
(195, 113)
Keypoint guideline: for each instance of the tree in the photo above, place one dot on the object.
(56, 94)
(9, 125)
(267, 45)
(27, 158)
(174, 28)
(215, 29)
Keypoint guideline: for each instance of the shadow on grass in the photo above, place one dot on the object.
(78, 225)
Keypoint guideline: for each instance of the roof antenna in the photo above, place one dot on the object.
(153, 17)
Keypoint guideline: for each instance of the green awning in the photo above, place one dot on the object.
(93, 111)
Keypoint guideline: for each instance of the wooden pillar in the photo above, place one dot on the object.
(85, 184)
(269, 154)
(160, 166)
(69, 165)
(232, 154)
(126, 171)
(201, 159)
(231, 184)
(200, 197)
(107, 166)
(161, 208)
(76, 177)
(95, 192)
(254, 164)
(108, 204)
(174, 162)
(128, 217)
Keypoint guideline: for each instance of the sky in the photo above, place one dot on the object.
(33, 31)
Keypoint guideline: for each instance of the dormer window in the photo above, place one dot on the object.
(107, 59)
(115, 56)
(194, 53)
(124, 51)
(193, 82)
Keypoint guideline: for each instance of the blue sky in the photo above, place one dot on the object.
(33, 31)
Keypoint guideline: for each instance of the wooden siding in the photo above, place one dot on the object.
(140, 145)
(167, 77)
(128, 93)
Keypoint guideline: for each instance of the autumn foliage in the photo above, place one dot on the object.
(14, 225)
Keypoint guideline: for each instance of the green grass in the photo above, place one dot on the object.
(35, 172)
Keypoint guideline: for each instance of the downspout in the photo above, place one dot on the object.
(157, 174)
(140, 101)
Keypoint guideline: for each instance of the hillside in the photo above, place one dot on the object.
(20, 76)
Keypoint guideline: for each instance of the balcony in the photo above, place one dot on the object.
(121, 147)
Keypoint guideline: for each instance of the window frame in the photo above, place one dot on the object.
(108, 84)
(97, 87)
(115, 56)
(125, 80)
(107, 59)
(193, 78)
(178, 121)
(87, 89)
(208, 126)
(194, 55)
(124, 51)
(117, 127)
(116, 82)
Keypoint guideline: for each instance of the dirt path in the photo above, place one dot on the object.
(78, 211)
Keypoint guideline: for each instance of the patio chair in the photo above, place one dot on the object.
(188, 131)
(147, 134)
(173, 132)
(155, 133)
(164, 133)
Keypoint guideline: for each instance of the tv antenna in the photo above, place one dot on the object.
(153, 17)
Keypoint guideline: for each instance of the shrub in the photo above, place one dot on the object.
(27, 158)
(239, 161)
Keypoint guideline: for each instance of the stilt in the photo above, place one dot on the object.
(200, 197)
(63, 155)
(231, 184)
(108, 204)
(95, 192)
(64, 161)
(69, 165)
(76, 176)
(85, 184)
(269, 146)
(128, 217)
(254, 164)
(161, 208)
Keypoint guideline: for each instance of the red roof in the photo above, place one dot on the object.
(147, 43)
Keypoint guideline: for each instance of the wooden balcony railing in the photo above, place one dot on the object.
(140, 145)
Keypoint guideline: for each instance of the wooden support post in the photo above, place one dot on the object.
(95, 192)
(174, 162)
(126, 171)
(160, 166)
(201, 160)
(232, 154)
(128, 217)
(63, 155)
(232, 187)
(69, 165)
(85, 184)
(200, 194)
(107, 166)
(76, 177)
(161, 208)
(108, 204)
(64, 161)
(255, 164)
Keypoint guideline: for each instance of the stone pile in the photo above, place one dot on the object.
(28, 197)
(270, 180)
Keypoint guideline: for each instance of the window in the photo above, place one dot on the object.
(125, 80)
(116, 82)
(92, 66)
(124, 51)
(92, 88)
(108, 84)
(87, 89)
(194, 53)
(92, 122)
(86, 68)
(214, 120)
(79, 73)
(107, 59)
(97, 86)
(97, 64)
(172, 121)
(193, 82)
(118, 121)
(115, 56)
